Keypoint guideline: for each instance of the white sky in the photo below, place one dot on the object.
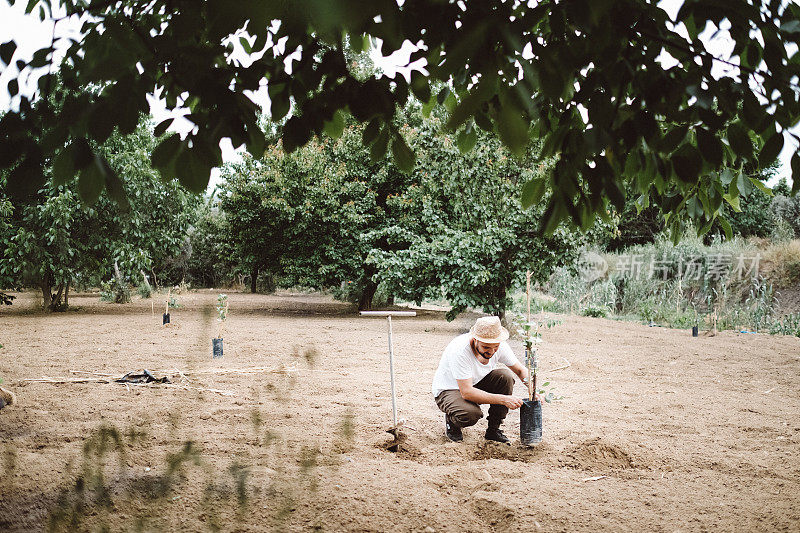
(30, 34)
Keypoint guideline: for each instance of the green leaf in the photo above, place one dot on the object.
(791, 26)
(335, 126)
(91, 181)
(513, 129)
(420, 87)
(466, 139)
(101, 122)
(13, 87)
(192, 172)
(162, 127)
(371, 131)
(710, 147)
(673, 138)
(403, 156)
(726, 176)
(532, 192)
(469, 105)
(771, 150)
(726, 227)
(443, 94)
(760, 186)
(687, 163)
(114, 186)
(245, 44)
(378, 149)
(279, 104)
(164, 155)
(740, 140)
(483, 121)
(7, 51)
(743, 184)
(295, 134)
(64, 166)
(795, 173)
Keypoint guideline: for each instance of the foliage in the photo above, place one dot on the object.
(212, 262)
(114, 291)
(595, 312)
(677, 131)
(731, 284)
(786, 210)
(53, 240)
(466, 237)
(145, 290)
(222, 307)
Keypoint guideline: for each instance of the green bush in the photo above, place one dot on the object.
(113, 291)
(595, 312)
(144, 290)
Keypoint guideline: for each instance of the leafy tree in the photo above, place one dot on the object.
(466, 237)
(212, 262)
(53, 241)
(520, 69)
(785, 207)
(309, 218)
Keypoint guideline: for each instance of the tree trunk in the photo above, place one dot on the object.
(47, 295)
(146, 283)
(66, 295)
(365, 301)
(254, 280)
(55, 302)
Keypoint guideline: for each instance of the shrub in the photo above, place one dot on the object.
(114, 291)
(784, 259)
(145, 290)
(595, 312)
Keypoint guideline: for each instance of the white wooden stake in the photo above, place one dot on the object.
(388, 315)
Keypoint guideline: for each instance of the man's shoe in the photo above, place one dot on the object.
(496, 435)
(452, 431)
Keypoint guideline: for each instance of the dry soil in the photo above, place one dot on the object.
(688, 434)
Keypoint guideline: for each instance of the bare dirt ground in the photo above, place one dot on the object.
(690, 434)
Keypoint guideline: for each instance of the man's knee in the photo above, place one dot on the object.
(506, 379)
(467, 417)
(499, 381)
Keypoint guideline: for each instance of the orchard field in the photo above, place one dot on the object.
(656, 431)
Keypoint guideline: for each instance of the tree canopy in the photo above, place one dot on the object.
(53, 241)
(584, 77)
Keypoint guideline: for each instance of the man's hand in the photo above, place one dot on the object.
(511, 402)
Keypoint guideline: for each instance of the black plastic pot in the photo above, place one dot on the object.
(165, 319)
(694, 331)
(216, 348)
(530, 422)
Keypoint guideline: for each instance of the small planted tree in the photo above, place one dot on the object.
(222, 316)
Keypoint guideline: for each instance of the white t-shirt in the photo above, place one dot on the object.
(459, 362)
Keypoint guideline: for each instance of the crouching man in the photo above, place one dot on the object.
(468, 376)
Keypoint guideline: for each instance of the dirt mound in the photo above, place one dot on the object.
(493, 450)
(596, 454)
(400, 446)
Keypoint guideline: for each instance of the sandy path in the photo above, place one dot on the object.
(691, 434)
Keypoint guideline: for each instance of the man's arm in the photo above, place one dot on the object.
(472, 394)
(522, 373)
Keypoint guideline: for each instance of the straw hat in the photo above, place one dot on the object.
(489, 330)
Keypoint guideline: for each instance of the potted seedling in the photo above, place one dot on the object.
(165, 317)
(222, 315)
(530, 415)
